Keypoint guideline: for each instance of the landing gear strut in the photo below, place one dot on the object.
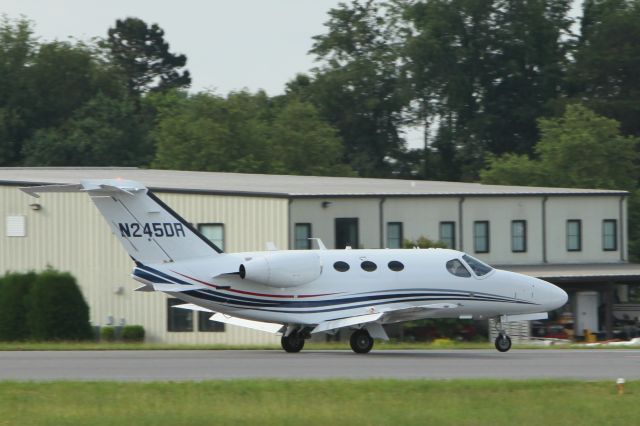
(361, 341)
(292, 343)
(503, 341)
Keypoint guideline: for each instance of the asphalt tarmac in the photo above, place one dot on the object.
(406, 364)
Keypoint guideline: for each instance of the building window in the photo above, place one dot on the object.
(302, 234)
(346, 232)
(205, 324)
(214, 233)
(518, 236)
(448, 234)
(574, 235)
(394, 235)
(609, 235)
(481, 236)
(178, 319)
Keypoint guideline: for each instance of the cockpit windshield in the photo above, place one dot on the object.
(478, 267)
(455, 267)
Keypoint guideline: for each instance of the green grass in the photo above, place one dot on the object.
(313, 402)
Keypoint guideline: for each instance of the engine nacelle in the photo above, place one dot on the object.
(282, 269)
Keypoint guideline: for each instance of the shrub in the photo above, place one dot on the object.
(14, 297)
(57, 309)
(133, 333)
(107, 334)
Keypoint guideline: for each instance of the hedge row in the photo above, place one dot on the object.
(42, 306)
(127, 333)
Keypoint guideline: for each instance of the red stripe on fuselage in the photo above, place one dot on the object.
(282, 296)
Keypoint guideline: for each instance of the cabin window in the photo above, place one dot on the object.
(396, 266)
(341, 266)
(455, 267)
(394, 235)
(205, 324)
(302, 234)
(368, 266)
(178, 319)
(214, 232)
(609, 235)
(478, 268)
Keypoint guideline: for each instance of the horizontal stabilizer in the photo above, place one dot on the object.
(35, 190)
(255, 325)
(192, 307)
(167, 288)
(346, 322)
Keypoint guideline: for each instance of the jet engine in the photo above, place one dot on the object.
(282, 269)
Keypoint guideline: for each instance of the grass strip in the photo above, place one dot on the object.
(313, 402)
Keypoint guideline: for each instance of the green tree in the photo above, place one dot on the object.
(358, 88)
(424, 243)
(14, 305)
(17, 47)
(245, 132)
(58, 310)
(142, 54)
(578, 150)
(103, 132)
(303, 144)
(607, 59)
(483, 72)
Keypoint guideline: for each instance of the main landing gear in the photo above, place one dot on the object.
(293, 343)
(503, 341)
(361, 341)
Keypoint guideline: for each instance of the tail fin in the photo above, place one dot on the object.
(147, 228)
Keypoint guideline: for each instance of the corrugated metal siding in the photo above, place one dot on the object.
(69, 234)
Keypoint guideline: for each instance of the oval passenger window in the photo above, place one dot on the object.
(394, 265)
(341, 266)
(368, 266)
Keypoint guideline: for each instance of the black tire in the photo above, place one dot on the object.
(292, 343)
(503, 343)
(361, 341)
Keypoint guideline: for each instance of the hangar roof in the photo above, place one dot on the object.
(278, 185)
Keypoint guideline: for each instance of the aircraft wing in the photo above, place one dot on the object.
(228, 319)
(373, 322)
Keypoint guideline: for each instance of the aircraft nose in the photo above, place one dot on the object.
(554, 296)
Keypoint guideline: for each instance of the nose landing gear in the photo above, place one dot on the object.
(503, 341)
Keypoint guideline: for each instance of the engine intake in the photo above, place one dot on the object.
(282, 269)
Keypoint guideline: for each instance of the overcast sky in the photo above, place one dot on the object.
(230, 44)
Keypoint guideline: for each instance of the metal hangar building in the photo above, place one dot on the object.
(576, 238)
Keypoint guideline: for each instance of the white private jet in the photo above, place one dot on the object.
(298, 293)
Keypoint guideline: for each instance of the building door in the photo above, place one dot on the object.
(347, 232)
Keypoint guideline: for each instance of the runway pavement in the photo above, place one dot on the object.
(431, 364)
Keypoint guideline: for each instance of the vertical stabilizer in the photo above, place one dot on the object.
(149, 230)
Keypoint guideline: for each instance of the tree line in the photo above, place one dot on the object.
(502, 91)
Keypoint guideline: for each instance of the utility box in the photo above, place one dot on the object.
(586, 311)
